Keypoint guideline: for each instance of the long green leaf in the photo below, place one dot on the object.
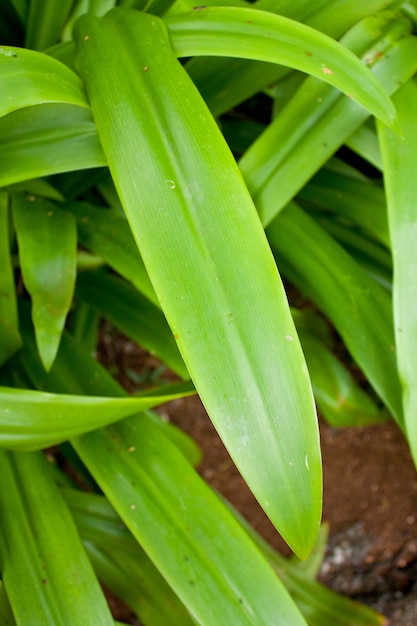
(47, 139)
(175, 500)
(218, 575)
(254, 34)
(224, 83)
(30, 420)
(9, 326)
(400, 167)
(47, 240)
(209, 261)
(28, 78)
(308, 130)
(46, 573)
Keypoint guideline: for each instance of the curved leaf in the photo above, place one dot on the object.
(209, 262)
(262, 36)
(47, 139)
(307, 132)
(225, 83)
(28, 78)
(30, 420)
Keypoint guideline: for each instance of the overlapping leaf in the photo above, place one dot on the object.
(209, 262)
(254, 34)
(308, 130)
(31, 420)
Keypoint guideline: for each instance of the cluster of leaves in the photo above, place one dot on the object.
(120, 198)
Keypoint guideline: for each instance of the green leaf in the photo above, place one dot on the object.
(262, 36)
(357, 306)
(30, 420)
(47, 240)
(9, 324)
(219, 576)
(46, 573)
(308, 130)
(209, 262)
(29, 78)
(400, 163)
(76, 372)
(128, 310)
(47, 139)
(225, 83)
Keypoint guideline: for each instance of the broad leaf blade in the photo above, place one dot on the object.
(209, 262)
(262, 36)
(48, 578)
(47, 240)
(219, 576)
(400, 165)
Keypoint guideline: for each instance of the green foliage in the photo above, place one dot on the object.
(121, 200)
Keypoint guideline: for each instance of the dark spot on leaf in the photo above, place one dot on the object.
(309, 54)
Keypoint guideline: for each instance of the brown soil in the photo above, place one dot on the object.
(370, 501)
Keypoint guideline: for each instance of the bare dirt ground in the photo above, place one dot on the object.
(370, 499)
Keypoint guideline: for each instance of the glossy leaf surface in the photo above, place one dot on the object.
(219, 576)
(307, 132)
(29, 78)
(263, 36)
(30, 420)
(128, 310)
(47, 139)
(209, 262)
